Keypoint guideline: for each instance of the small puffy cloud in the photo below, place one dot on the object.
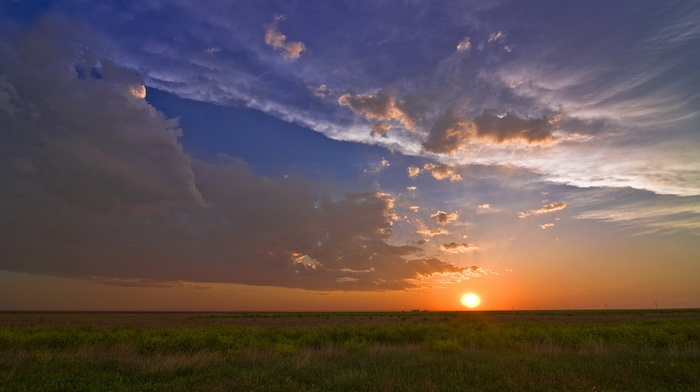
(560, 205)
(454, 247)
(414, 208)
(443, 218)
(380, 106)
(278, 41)
(545, 226)
(464, 45)
(442, 172)
(413, 171)
(411, 188)
(321, 91)
(380, 129)
(486, 209)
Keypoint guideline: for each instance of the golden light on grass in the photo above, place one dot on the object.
(471, 300)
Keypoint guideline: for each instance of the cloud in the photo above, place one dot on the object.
(484, 206)
(432, 232)
(78, 134)
(290, 50)
(441, 280)
(443, 218)
(497, 36)
(149, 283)
(378, 167)
(451, 132)
(448, 134)
(545, 226)
(560, 205)
(381, 106)
(609, 106)
(454, 247)
(413, 171)
(95, 183)
(380, 129)
(442, 172)
(437, 171)
(321, 91)
(644, 213)
(508, 127)
(464, 45)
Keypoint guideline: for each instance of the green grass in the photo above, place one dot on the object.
(453, 355)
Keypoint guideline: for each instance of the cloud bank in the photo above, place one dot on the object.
(95, 184)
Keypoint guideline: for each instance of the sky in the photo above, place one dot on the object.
(349, 155)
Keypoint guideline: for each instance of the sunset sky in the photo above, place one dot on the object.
(349, 155)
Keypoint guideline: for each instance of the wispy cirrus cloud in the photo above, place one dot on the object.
(484, 106)
(150, 283)
(547, 208)
(666, 215)
(432, 232)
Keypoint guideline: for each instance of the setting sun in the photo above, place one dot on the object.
(471, 300)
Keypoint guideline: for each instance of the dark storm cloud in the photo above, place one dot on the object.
(95, 184)
(77, 129)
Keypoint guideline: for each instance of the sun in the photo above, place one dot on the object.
(471, 300)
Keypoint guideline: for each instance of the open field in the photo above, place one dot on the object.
(403, 351)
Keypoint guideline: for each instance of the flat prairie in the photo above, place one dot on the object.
(20, 319)
(587, 350)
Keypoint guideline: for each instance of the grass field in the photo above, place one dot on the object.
(404, 351)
